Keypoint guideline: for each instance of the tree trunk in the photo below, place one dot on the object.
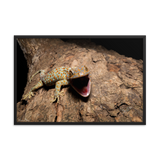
(116, 83)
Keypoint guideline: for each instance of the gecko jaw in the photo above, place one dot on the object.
(82, 85)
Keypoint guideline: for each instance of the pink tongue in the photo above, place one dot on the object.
(84, 90)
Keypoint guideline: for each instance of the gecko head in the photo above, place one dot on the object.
(80, 80)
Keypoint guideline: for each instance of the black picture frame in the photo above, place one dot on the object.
(86, 35)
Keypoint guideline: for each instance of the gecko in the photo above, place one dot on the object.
(77, 77)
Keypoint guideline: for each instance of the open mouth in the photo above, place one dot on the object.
(82, 85)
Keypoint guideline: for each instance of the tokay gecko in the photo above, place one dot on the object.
(77, 77)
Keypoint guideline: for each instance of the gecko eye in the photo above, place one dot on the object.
(86, 68)
(71, 72)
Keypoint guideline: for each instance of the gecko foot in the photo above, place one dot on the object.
(57, 97)
(29, 95)
(61, 93)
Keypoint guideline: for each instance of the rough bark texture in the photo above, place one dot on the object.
(117, 83)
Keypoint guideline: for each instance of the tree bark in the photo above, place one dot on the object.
(116, 83)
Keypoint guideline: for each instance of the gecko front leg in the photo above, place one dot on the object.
(57, 92)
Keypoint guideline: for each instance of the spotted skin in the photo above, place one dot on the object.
(58, 77)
